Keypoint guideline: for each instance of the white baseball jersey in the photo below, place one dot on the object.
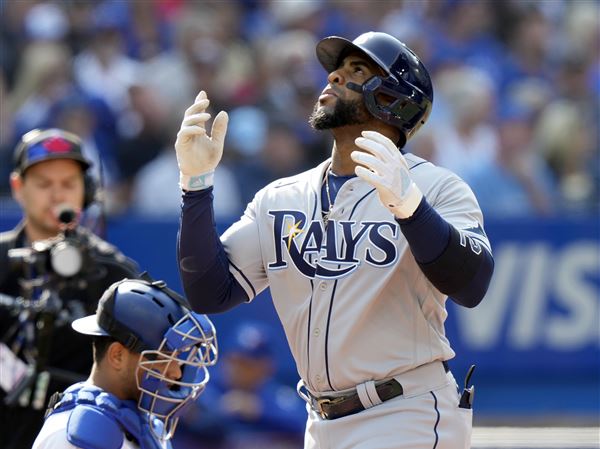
(354, 304)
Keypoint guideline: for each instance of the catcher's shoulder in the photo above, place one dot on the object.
(83, 425)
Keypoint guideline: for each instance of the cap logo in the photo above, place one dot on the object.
(57, 145)
(52, 146)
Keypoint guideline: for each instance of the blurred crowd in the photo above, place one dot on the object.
(245, 403)
(515, 110)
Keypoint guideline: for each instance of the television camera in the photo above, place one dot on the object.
(44, 270)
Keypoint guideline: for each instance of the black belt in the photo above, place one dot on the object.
(337, 407)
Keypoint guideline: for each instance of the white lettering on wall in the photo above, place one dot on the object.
(529, 305)
(579, 325)
(539, 297)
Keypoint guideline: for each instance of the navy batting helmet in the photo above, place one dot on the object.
(406, 83)
(147, 317)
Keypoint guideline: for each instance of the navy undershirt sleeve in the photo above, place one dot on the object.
(453, 265)
(203, 264)
(427, 233)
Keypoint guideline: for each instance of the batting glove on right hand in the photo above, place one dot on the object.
(197, 153)
(384, 167)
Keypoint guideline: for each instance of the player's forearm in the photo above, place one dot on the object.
(203, 263)
(455, 266)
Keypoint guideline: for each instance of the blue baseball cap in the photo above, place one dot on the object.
(42, 145)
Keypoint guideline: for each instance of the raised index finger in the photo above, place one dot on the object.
(198, 106)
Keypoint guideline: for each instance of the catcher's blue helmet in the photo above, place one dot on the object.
(149, 318)
(406, 83)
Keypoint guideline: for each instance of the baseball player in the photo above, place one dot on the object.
(360, 254)
(151, 355)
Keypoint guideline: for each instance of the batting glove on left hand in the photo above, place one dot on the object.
(384, 167)
(198, 154)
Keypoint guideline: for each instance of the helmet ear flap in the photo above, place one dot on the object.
(396, 103)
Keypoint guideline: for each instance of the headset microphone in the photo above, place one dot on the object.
(65, 214)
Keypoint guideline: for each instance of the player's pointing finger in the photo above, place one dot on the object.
(199, 106)
(201, 96)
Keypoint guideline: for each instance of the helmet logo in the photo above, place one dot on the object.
(362, 39)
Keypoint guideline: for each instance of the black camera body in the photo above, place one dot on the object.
(55, 262)
(60, 256)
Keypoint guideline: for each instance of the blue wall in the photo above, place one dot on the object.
(535, 338)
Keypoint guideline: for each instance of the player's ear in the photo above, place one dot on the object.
(16, 187)
(116, 355)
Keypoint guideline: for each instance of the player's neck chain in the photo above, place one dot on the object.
(327, 214)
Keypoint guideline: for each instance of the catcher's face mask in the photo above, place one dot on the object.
(191, 344)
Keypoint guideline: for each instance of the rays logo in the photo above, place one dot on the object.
(316, 256)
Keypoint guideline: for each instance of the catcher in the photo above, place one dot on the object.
(151, 355)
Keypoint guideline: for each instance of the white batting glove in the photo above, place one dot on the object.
(383, 166)
(197, 153)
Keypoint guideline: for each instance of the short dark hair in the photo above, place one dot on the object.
(100, 345)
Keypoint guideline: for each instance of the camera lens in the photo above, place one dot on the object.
(66, 259)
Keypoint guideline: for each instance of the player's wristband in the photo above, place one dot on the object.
(197, 182)
(409, 203)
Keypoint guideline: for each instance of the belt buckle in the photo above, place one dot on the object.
(327, 401)
(320, 403)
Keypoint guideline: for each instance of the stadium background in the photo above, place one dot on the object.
(516, 114)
